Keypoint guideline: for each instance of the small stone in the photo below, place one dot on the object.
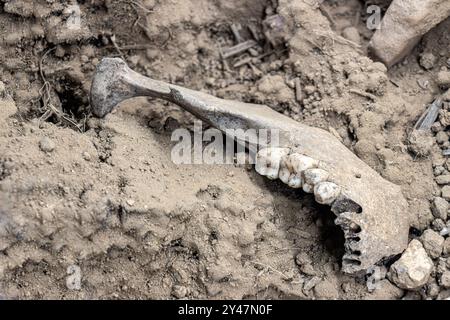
(446, 193)
(60, 52)
(439, 170)
(311, 283)
(2, 88)
(352, 34)
(73, 279)
(441, 266)
(385, 290)
(432, 242)
(310, 89)
(86, 156)
(374, 275)
(445, 280)
(446, 95)
(411, 296)
(441, 137)
(420, 143)
(443, 179)
(305, 264)
(326, 290)
(433, 289)
(47, 145)
(446, 247)
(443, 79)
(413, 269)
(179, 292)
(438, 225)
(439, 207)
(444, 295)
(428, 60)
(445, 231)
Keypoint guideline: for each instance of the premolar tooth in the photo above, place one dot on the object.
(326, 192)
(295, 181)
(308, 188)
(285, 169)
(313, 177)
(268, 161)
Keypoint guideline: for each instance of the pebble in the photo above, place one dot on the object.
(438, 170)
(446, 247)
(73, 280)
(443, 79)
(446, 193)
(2, 88)
(428, 60)
(432, 242)
(326, 290)
(441, 137)
(443, 179)
(47, 145)
(413, 269)
(311, 283)
(444, 232)
(433, 289)
(305, 264)
(352, 34)
(86, 156)
(439, 207)
(438, 225)
(445, 280)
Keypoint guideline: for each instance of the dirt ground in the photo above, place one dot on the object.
(100, 199)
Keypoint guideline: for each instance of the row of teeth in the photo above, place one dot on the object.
(297, 171)
(300, 171)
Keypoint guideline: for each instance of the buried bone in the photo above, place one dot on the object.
(371, 210)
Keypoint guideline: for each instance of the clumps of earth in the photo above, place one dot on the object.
(95, 208)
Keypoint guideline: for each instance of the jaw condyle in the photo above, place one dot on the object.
(371, 211)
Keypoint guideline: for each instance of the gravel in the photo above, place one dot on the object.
(413, 269)
(432, 242)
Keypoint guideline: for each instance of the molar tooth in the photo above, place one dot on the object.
(300, 162)
(268, 161)
(326, 192)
